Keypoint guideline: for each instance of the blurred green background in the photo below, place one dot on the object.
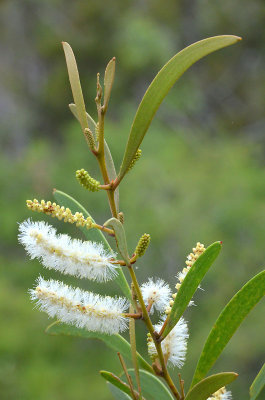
(201, 176)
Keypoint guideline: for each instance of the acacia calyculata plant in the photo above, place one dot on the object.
(89, 315)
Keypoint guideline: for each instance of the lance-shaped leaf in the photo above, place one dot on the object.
(90, 122)
(161, 85)
(92, 234)
(117, 226)
(117, 393)
(114, 380)
(108, 81)
(257, 389)
(228, 322)
(108, 157)
(75, 84)
(205, 388)
(190, 284)
(115, 342)
(152, 387)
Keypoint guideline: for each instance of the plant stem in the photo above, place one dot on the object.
(148, 322)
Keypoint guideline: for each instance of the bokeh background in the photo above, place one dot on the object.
(201, 177)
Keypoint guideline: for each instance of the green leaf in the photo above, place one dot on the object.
(161, 85)
(258, 385)
(75, 84)
(114, 380)
(117, 393)
(108, 81)
(152, 387)
(190, 284)
(117, 226)
(108, 157)
(115, 342)
(95, 235)
(90, 122)
(205, 388)
(228, 322)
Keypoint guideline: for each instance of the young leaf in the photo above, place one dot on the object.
(258, 385)
(114, 380)
(115, 342)
(117, 393)
(117, 226)
(205, 388)
(75, 84)
(228, 322)
(108, 81)
(190, 284)
(152, 387)
(161, 85)
(95, 235)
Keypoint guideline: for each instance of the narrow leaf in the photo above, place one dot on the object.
(117, 393)
(152, 387)
(205, 388)
(190, 284)
(161, 85)
(108, 81)
(90, 122)
(95, 235)
(75, 84)
(119, 236)
(114, 380)
(258, 385)
(115, 342)
(228, 322)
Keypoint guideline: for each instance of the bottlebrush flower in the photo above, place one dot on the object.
(69, 256)
(221, 394)
(157, 293)
(80, 308)
(174, 346)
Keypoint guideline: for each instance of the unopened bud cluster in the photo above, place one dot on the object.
(142, 245)
(192, 257)
(87, 181)
(135, 159)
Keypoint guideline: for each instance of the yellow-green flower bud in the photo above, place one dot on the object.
(142, 245)
(90, 138)
(85, 180)
(135, 159)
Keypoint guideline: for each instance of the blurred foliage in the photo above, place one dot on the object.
(200, 177)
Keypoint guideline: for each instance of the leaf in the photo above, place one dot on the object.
(115, 342)
(258, 385)
(152, 387)
(228, 322)
(108, 157)
(205, 388)
(75, 84)
(118, 394)
(119, 236)
(108, 81)
(114, 380)
(111, 172)
(161, 85)
(90, 122)
(95, 235)
(190, 284)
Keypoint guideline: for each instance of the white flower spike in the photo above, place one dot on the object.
(174, 346)
(69, 256)
(221, 394)
(80, 308)
(156, 293)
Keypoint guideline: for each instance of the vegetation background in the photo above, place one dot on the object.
(201, 177)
